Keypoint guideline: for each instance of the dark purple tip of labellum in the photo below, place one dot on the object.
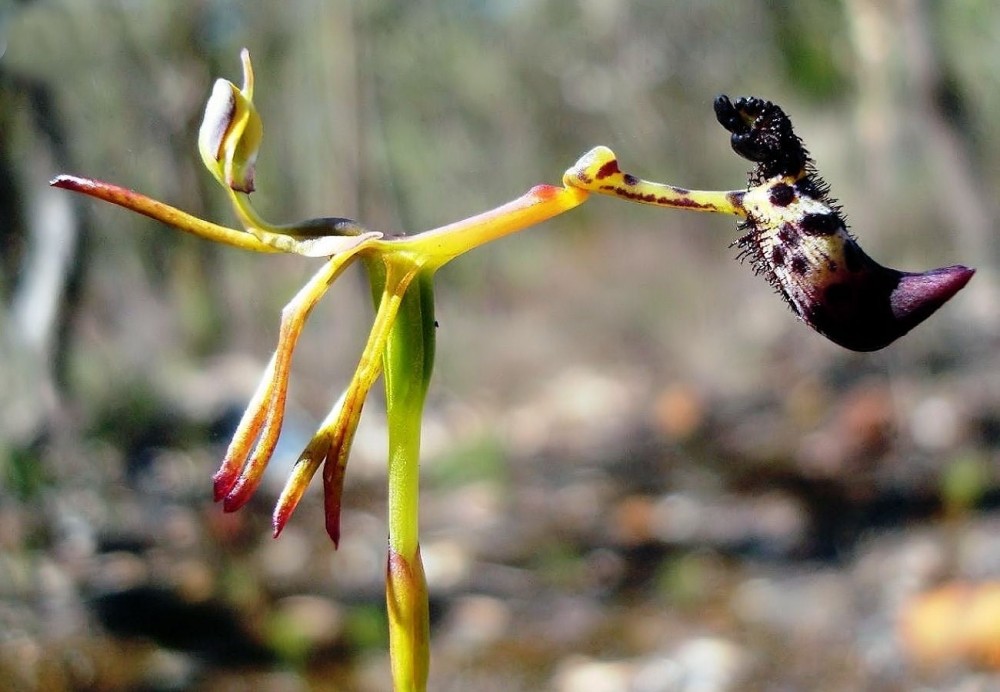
(918, 295)
(884, 305)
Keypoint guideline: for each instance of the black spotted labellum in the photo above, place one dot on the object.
(796, 236)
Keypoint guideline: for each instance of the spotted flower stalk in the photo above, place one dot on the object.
(792, 233)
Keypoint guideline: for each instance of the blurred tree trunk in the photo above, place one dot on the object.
(43, 242)
(906, 30)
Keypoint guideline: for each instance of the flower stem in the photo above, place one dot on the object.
(409, 359)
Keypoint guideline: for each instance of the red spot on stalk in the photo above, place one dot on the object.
(544, 192)
(684, 202)
(649, 198)
(608, 169)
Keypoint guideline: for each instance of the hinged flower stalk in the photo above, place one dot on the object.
(794, 234)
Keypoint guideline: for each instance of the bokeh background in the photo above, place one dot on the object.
(641, 472)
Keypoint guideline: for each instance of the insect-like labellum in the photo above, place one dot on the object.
(796, 236)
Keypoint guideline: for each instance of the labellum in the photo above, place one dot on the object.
(796, 236)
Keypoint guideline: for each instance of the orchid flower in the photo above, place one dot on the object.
(795, 237)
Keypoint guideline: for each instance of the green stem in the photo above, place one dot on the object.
(409, 358)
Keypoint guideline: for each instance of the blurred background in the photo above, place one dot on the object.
(641, 472)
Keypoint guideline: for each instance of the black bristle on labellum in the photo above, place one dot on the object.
(762, 133)
(749, 251)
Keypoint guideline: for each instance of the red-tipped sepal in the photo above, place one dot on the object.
(295, 487)
(333, 493)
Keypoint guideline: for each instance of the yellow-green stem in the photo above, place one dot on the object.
(408, 361)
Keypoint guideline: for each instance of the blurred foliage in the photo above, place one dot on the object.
(23, 474)
(964, 482)
(814, 55)
(479, 460)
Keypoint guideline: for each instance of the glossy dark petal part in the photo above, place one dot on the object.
(918, 295)
(884, 305)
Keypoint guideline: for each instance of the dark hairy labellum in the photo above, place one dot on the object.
(796, 236)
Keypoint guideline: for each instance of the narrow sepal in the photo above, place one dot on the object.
(303, 472)
(333, 493)
(154, 209)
